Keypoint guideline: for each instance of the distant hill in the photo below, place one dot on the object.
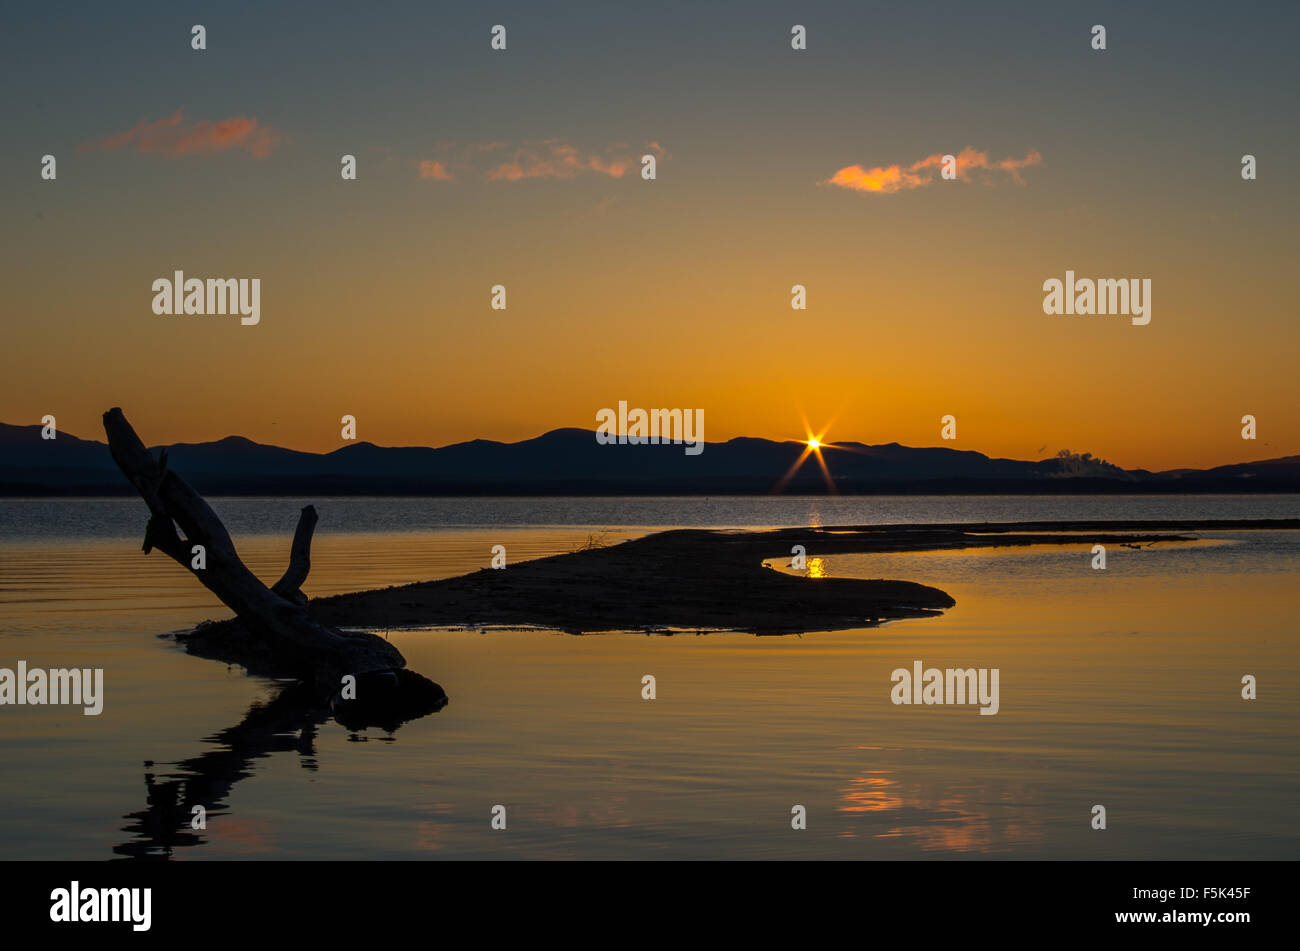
(570, 461)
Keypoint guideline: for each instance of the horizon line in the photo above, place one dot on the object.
(838, 444)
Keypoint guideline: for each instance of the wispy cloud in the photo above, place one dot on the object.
(538, 159)
(434, 170)
(971, 165)
(175, 137)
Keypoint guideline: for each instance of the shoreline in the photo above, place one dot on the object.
(702, 579)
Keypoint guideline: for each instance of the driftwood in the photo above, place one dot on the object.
(296, 643)
(289, 586)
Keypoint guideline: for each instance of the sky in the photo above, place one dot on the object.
(521, 167)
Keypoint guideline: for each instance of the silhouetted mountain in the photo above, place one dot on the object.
(570, 461)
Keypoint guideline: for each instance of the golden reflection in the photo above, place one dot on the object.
(938, 815)
(871, 793)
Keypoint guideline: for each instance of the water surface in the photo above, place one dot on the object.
(1119, 687)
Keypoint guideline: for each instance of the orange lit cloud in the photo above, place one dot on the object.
(434, 170)
(540, 159)
(175, 137)
(971, 164)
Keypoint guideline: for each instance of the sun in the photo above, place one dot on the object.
(814, 445)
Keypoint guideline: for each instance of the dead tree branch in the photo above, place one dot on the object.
(290, 584)
(279, 616)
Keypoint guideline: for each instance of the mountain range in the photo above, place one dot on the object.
(571, 462)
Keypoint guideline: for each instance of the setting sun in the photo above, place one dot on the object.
(814, 444)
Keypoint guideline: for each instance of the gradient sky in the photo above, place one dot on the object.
(375, 293)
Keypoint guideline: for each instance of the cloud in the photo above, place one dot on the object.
(434, 170)
(555, 159)
(972, 164)
(538, 159)
(174, 137)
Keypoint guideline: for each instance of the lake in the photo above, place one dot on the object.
(1119, 687)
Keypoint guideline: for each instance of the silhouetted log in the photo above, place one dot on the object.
(299, 642)
(290, 584)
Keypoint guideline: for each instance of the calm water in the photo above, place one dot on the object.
(1119, 687)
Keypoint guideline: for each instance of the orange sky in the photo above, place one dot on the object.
(924, 297)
